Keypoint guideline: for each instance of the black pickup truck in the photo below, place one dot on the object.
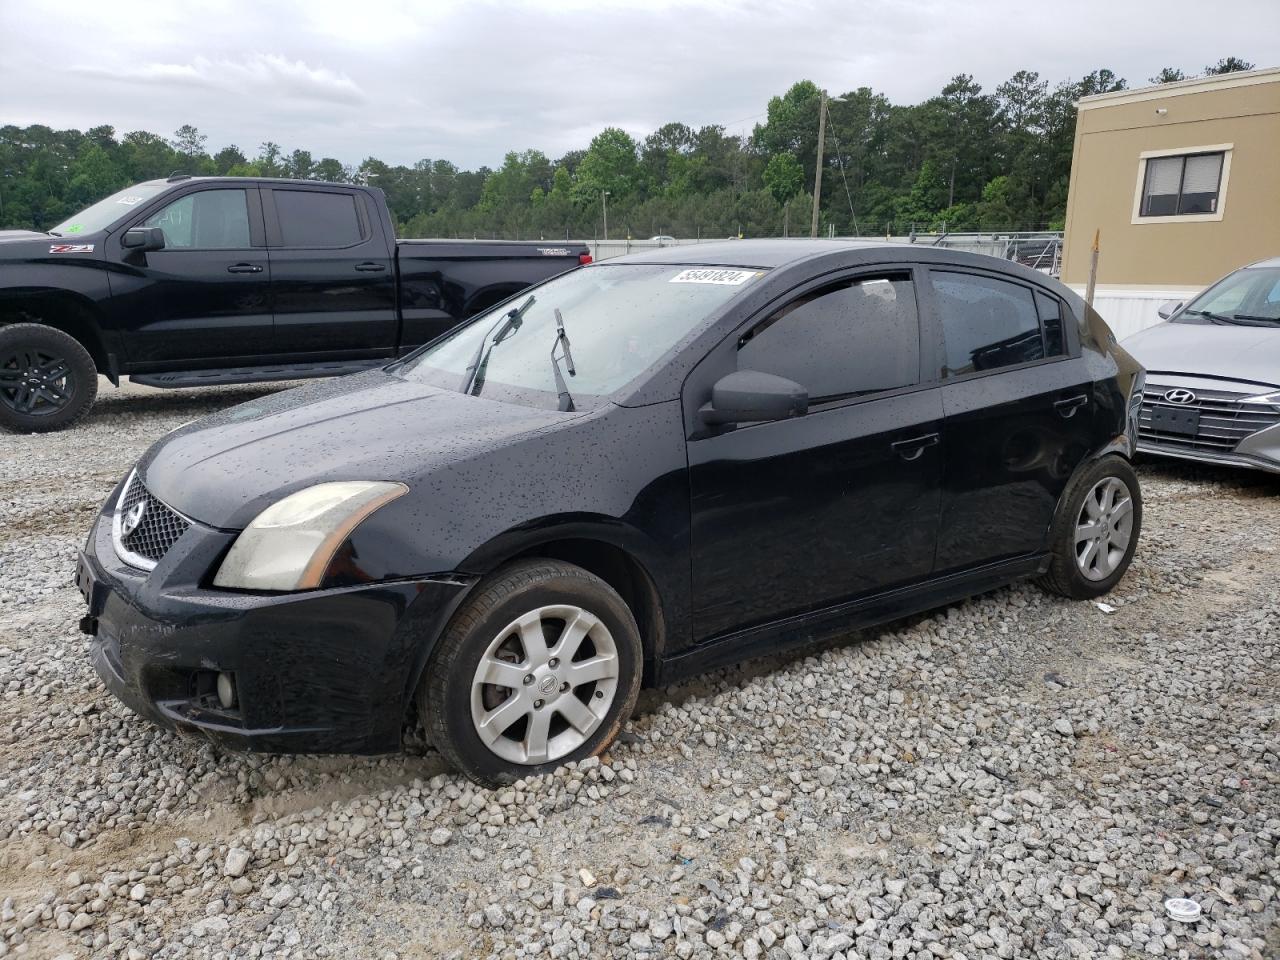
(193, 281)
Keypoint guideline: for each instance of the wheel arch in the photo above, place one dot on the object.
(606, 549)
(63, 310)
(618, 554)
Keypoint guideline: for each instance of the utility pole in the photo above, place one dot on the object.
(817, 173)
(604, 209)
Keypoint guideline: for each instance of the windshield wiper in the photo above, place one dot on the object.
(508, 322)
(562, 341)
(1210, 315)
(1254, 317)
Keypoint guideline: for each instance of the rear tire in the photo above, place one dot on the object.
(541, 666)
(48, 381)
(1096, 530)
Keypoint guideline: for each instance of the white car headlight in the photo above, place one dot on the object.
(1272, 399)
(289, 545)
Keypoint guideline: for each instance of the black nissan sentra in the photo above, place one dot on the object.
(634, 471)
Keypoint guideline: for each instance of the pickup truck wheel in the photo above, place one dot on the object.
(539, 667)
(47, 379)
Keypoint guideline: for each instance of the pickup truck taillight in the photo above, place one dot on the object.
(584, 259)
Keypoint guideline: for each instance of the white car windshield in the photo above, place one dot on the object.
(1250, 296)
(620, 319)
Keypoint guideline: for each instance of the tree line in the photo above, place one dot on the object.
(965, 159)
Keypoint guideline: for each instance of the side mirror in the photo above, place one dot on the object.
(1169, 308)
(749, 396)
(143, 239)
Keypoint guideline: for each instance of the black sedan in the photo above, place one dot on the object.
(634, 471)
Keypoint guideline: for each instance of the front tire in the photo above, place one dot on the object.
(1096, 530)
(540, 667)
(47, 379)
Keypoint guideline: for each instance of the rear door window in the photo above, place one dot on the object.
(857, 337)
(986, 323)
(312, 218)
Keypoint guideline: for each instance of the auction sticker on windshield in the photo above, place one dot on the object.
(706, 275)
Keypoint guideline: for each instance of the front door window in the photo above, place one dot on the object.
(207, 220)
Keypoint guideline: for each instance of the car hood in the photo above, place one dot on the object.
(13, 236)
(223, 470)
(1209, 350)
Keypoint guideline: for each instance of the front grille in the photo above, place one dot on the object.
(157, 530)
(1224, 420)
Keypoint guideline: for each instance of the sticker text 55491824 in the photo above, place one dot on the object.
(71, 248)
(714, 275)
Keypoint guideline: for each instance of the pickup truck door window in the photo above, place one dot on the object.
(333, 276)
(836, 505)
(1020, 415)
(207, 294)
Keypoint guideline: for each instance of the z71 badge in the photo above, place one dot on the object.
(71, 248)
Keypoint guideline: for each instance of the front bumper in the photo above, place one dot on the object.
(1237, 459)
(324, 671)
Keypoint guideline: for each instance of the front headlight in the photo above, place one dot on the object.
(289, 545)
(1266, 399)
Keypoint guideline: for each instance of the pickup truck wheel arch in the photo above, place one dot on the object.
(65, 312)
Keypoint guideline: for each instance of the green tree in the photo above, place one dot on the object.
(1168, 75)
(268, 159)
(189, 142)
(330, 170)
(610, 165)
(299, 165)
(783, 176)
(1228, 65)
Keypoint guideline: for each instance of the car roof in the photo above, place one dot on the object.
(1269, 262)
(186, 178)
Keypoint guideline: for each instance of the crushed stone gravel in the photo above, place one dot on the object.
(1013, 776)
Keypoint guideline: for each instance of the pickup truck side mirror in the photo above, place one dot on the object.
(749, 396)
(1169, 308)
(143, 239)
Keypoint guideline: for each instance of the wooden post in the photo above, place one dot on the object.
(1093, 268)
(817, 173)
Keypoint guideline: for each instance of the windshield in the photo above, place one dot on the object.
(1248, 297)
(620, 319)
(106, 212)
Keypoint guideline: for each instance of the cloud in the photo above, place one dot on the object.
(468, 80)
(260, 75)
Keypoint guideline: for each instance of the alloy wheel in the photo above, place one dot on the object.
(35, 382)
(1104, 528)
(544, 684)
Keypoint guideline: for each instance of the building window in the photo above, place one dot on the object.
(1182, 184)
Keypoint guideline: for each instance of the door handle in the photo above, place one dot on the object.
(244, 268)
(914, 448)
(1068, 407)
(371, 267)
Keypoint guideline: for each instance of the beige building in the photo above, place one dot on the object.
(1183, 182)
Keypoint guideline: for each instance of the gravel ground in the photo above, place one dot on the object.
(1014, 776)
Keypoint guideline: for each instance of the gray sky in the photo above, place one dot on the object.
(467, 81)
